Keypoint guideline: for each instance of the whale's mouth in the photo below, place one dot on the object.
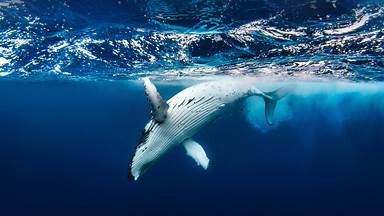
(135, 172)
(140, 148)
(130, 175)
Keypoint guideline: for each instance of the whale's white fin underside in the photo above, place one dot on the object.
(196, 151)
(159, 107)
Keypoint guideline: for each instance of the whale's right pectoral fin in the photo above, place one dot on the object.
(196, 151)
(159, 107)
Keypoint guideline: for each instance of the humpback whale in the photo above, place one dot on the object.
(177, 120)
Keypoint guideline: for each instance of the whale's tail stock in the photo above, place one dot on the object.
(271, 99)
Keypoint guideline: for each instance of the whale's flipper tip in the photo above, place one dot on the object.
(196, 151)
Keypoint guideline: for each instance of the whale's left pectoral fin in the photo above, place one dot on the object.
(196, 151)
(159, 107)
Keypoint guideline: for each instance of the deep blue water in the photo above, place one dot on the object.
(65, 148)
(72, 106)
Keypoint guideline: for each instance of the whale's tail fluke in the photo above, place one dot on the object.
(271, 99)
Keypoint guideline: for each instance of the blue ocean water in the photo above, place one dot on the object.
(72, 106)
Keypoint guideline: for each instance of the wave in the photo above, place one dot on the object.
(168, 39)
(359, 23)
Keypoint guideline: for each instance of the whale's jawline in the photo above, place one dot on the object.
(130, 176)
(143, 139)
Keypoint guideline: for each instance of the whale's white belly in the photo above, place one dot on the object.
(185, 118)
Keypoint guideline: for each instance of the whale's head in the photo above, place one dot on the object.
(146, 152)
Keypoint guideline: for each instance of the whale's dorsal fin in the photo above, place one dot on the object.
(159, 107)
(196, 151)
